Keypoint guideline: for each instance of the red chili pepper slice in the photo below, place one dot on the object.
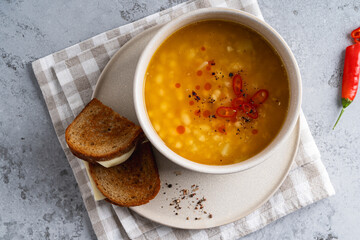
(356, 35)
(237, 85)
(259, 97)
(226, 112)
(250, 110)
(211, 62)
(237, 102)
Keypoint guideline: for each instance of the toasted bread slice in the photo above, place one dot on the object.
(132, 183)
(98, 133)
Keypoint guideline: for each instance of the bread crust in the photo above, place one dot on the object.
(142, 153)
(137, 135)
(94, 159)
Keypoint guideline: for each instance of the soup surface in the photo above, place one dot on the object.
(216, 92)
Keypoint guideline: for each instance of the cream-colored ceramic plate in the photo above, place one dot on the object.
(228, 197)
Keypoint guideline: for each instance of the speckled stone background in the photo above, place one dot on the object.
(39, 198)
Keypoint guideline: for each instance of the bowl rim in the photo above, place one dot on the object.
(139, 99)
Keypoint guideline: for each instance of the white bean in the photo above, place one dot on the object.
(229, 48)
(216, 94)
(178, 145)
(205, 127)
(159, 79)
(157, 127)
(185, 118)
(225, 150)
(164, 107)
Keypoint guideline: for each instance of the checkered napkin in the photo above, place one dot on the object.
(67, 79)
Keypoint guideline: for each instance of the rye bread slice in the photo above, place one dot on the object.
(98, 133)
(132, 183)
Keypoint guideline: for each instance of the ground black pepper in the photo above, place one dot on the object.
(187, 194)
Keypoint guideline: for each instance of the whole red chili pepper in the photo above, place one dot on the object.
(351, 73)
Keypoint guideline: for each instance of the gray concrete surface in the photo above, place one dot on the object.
(39, 198)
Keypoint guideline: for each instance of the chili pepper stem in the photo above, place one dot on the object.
(345, 103)
(342, 111)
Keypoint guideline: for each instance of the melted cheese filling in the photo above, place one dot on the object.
(110, 163)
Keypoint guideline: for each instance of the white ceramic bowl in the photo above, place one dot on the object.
(235, 16)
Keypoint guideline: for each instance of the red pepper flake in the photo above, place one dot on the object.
(233, 119)
(199, 73)
(177, 85)
(207, 86)
(206, 113)
(222, 129)
(191, 103)
(254, 131)
(184, 191)
(203, 48)
(194, 188)
(208, 68)
(211, 62)
(197, 87)
(197, 113)
(180, 129)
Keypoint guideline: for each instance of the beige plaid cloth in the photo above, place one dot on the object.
(67, 79)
